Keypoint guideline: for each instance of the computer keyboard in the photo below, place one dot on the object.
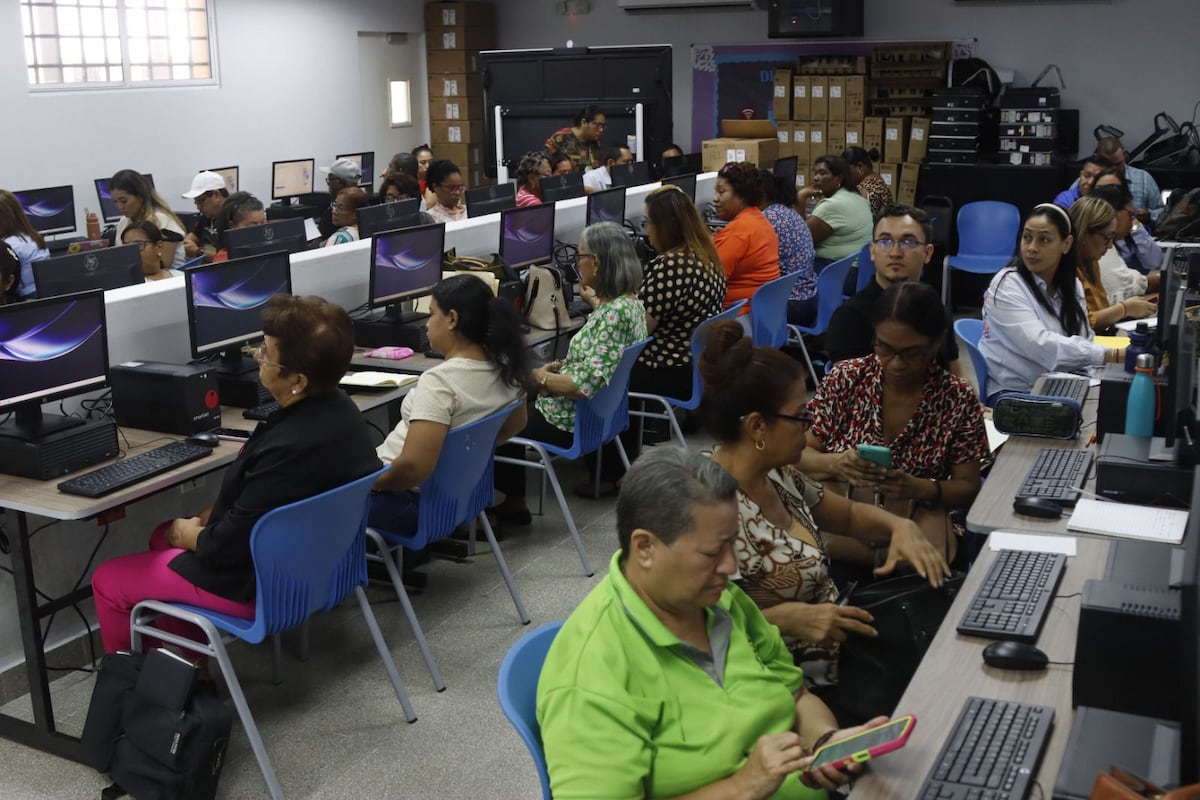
(991, 753)
(262, 411)
(1056, 473)
(1065, 386)
(134, 469)
(1015, 596)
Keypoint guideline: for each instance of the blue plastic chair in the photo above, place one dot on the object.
(598, 420)
(987, 238)
(693, 402)
(829, 297)
(193, 262)
(971, 331)
(308, 557)
(768, 310)
(866, 268)
(456, 493)
(516, 689)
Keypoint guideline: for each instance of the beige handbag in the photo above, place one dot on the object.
(545, 305)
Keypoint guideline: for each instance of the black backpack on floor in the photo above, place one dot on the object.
(159, 733)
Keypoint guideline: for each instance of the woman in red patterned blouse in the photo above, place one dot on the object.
(901, 396)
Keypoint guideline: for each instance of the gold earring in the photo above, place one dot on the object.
(760, 446)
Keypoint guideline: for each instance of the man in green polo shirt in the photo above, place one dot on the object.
(667, 679)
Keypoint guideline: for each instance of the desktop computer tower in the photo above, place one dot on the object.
(1126, 473)
(58, 453)
(172, 398)
(384, 332)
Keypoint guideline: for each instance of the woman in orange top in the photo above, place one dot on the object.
(748, 245)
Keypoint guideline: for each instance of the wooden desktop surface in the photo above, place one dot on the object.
(953, 670)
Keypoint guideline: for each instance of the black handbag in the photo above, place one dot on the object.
(874, 672)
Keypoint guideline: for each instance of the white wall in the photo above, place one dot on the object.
(1123, 61)
(289, 88)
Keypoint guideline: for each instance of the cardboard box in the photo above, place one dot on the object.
(895, 136)
(918, 139)
(817, 141)
(873, 134)
(464, 156)
(818, 92)
(455, 132)
(837, 98)
(455, 108)
(802, 171)
(781, 104)
(836, 141)
(460, 16)
(801, 103)
(854, 134)
(800, 142)
(785, 141)
(907, 193)
(444, 62)
(455, 86)
(756, 148)
(437, 39)
(856, 92)
(889, 174)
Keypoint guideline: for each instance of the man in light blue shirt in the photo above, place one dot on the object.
(599, 179)
(1146, 194)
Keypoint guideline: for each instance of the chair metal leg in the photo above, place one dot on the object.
(508, 579)
(946, 283)
(621, 452)
(276, 655)
(384, 654)
(547, 467)
(668, 414)
(393, 569)
(305, 642)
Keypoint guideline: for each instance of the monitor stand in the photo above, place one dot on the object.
(33, 446)
(396, 327)
(29, 425)
(237, 380)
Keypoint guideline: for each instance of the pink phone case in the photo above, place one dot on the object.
(393, 353)
(863, 756)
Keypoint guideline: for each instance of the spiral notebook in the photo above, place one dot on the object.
(1128, 521)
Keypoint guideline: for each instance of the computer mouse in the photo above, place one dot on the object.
(1037, 507)
(204, 439)
(1014, 655)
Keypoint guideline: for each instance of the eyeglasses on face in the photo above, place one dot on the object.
(804, 418)
(909, 355)
(260, 355)
(906, 243)
(142, 245)
(455, 188)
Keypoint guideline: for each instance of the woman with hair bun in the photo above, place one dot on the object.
(869, 183)
(748, 245)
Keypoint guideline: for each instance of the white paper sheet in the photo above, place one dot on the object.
(1145, 523)
(1009, 540)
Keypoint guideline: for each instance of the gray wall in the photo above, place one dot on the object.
(1123, 61)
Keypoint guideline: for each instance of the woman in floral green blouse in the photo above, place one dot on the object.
(610, 273)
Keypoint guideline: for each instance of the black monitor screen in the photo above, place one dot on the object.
(108, 208)
(527, 235)
(562, 187)
(606, 206)
(682, 165)
(1179, 402)
(225, 300)
(483, 200)
(49, 210)
(106, 268)
(366, 163)
(52, 348)
(785, 168)
(292, 178)
(229, 175)
(388, 217)
(1169, 283)
(685, 182)
(634, 173)
(1189, 645)
(405, 263)
(287, 235)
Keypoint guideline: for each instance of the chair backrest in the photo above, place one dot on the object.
(768, 310)
(699, 337)
(971, 331)
(866, 268)
(988, 228)
(309, 555)
(460, 485)
(829, 291)
(516, 688)
(604, 415)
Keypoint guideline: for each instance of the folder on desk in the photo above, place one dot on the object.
(377, 380)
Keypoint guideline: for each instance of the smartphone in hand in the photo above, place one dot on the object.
(876, 454)
(861, 748)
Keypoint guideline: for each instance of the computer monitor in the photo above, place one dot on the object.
(388, 217)
(785, 168)
(682, 165)
(405, 264)
(229, 175)
(606, 206)
(483, 200)
(49, 210)
(1179, 401)
(635, 173)
(105, 268)
(292, 178)
(1189, 646)
(366, 162)
(51, 349)
(108, 208)
(1169, 282)
(527, 236)
(225, 303)
(685, 182)
(287, 235)
(562, 187)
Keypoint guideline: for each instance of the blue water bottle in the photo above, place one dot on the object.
(1139, 409)
(1140, 341)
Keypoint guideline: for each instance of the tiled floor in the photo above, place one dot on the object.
(334, 728)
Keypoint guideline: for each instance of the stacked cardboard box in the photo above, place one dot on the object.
(454, 35)
(827, 101)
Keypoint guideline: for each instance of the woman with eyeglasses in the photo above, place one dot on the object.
(345, 216)
(580, 141)
(402, 186)
(137, 201)
(1095, 221)
(748, 245)
(1034, 317)
(241, 210)
(150, 240)
(903, 397)
(754, 407)
(841, 220)
(446, 182)
(316, 441)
